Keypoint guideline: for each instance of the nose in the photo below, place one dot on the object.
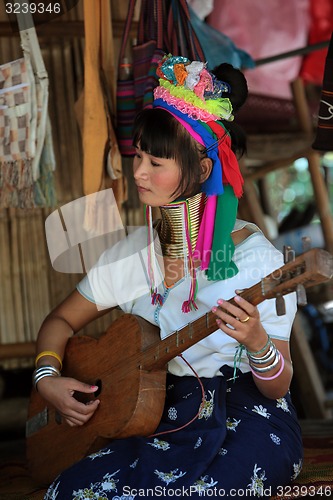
(140, 168)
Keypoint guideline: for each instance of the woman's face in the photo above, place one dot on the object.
(156, 178)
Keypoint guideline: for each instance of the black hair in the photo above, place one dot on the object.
(158, 133)
(237, 95)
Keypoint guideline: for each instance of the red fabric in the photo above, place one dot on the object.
(230, 168)
(321, 27)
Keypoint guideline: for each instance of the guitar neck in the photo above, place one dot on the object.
(306, 270)
(160, 353)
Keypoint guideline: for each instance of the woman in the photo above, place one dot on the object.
(245, 438)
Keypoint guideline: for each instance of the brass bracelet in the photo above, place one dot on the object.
(48, 353)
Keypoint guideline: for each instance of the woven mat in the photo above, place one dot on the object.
(17, 485)
(316, 477)
(319, 461)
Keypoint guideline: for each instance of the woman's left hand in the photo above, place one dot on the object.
(241, 322)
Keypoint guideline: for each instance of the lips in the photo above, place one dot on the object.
(142, 189)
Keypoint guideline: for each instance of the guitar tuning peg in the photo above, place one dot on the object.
(280, 305)
(301, 295)
(288, 254)
(306, 243)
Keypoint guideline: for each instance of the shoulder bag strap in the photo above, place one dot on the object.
(127, 28)
(195, 51)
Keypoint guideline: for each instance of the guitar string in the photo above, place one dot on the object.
(151, 349)
(249, 294)
(199, 410)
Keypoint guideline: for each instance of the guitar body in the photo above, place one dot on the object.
(132, 399)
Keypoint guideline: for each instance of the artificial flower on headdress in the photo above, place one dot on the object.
(198, 100)
(204, 84)
(190, 82)
(180, 73)
(193, 74)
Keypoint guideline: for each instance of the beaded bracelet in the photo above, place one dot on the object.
(48, 353)
(273, 376)
(44, 371)
(255, 353)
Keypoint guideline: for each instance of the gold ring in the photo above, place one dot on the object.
(245, 320)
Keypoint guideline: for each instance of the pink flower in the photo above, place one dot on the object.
(205, 83)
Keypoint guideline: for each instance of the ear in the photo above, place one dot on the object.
(206, 168)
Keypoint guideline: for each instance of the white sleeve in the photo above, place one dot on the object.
(259, 259)
(278, 327)
(120, 275)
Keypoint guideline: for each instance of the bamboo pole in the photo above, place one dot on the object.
(313, 157)
(307, 375)
(17, 306)
(67, 29)
(322, 198)
(17, 350)
(7, 316)
(250, 202)
(270, 166)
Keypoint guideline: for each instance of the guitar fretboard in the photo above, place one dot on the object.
(313, 267)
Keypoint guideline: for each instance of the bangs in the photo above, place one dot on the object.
(159, 134)
(155, 130)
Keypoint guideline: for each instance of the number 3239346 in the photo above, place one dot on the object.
(303, 490)
(32, 8)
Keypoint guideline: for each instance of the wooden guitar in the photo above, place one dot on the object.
(128, 363)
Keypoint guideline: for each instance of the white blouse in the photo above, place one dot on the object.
(120, 277)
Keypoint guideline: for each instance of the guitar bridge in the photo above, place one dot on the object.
(37, 422)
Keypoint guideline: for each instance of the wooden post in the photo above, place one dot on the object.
(313, 157)
(17, 350)
(311, 389)
(322, 198)
(250, 202)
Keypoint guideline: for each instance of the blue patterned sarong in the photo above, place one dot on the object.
(242, 445)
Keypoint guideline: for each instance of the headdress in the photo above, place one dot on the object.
(200, 102)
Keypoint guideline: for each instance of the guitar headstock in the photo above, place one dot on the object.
(303, 271)
(306, 270)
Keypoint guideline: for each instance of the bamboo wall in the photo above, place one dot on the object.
(29, 287)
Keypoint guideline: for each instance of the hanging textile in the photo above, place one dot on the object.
(26, 148)
(164, 27)
(16, 134)
(321, 27)
(266, 28)
(323, 139)
(202, 8)
(43, 162)
(219, 48)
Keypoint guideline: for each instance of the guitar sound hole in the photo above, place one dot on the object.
(99, 390)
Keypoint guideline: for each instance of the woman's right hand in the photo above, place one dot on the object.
(59, 391)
